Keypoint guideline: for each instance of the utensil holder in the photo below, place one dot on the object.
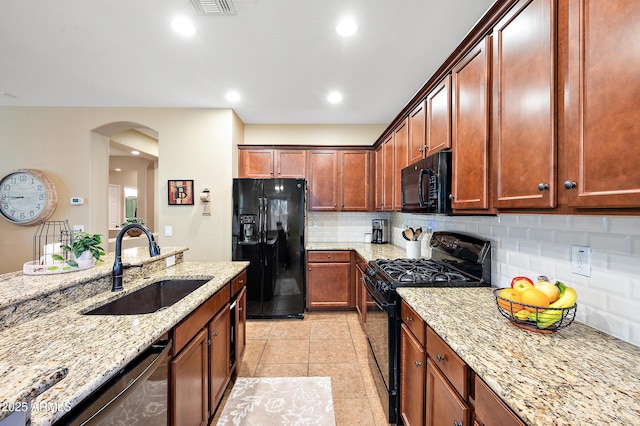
(413, 249)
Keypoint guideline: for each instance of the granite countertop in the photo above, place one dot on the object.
(367, 250)
(92, 348)
(576, 376)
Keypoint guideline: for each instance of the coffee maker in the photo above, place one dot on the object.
(379, 231)
(248, 228)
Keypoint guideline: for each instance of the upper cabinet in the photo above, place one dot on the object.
(601, 110)
(355, 180)
(524, 125)
(387, 173)
(439, 117)
(323, 180)
(272, 163)
(418, 132)
(470, 129)
(379, 179)
(400, 160)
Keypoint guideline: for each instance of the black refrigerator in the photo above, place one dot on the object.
(268, 231)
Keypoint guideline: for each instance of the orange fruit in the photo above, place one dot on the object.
(512, 297)
(535, 297)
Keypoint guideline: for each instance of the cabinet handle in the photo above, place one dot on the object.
(543, 186)
(214, 334)
(241, 282)
(418, 364)
(309, 268)
(343, 205)
(420, 150)
(328, 256)
(335, 205)
(440, 358)
(456, 423)
(451, 196)
(240, 309)
(569, 184)
(409, 319)
(208, 342)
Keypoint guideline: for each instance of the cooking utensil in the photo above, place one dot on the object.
(404, 235)
(417, 234)
(409, 233)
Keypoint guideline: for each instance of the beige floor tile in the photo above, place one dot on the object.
(258, 329)
(326, 316)
(352, 412)
(329, 330)
(346, 380)
(361, 347)
(285, 351)
(282, 370)
(332, 351)
(290, 329)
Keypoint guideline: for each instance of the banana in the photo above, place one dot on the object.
(567, 299)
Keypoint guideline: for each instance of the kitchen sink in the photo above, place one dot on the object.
(151, 298)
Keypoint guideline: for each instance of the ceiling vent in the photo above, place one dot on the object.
(213, 7)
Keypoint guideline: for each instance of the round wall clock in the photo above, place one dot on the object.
(27, 197)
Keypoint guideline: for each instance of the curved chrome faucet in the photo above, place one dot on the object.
(118, 268)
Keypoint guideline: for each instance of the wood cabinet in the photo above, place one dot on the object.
(601, 110)
(360, 291)
(470, 129)
(339, 180)
(524, 93)
(219, 340)
(439, 116)
(418, 132)
(387, 173)
(240, 336)
(443, 404)
(413, 367)
(379, 178)
(271, 163)
(490, 410)
(329, 282)
(189, 383)
(400, 160)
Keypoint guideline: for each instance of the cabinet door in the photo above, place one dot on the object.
(603, 117)
(189, 383)
(354, 181)
(241, 326)
(400, 160)
(470, 130)
(291, 163)
(439, 117)
(417, 132)
(256, 163)
(490, 410)
(524, 137)
(379, 192)
(387, 173)
(219, 355)
(329, 285)
(413, 369)
(444, 407)
(323, 175)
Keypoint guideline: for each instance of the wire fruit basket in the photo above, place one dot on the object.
(534, 318)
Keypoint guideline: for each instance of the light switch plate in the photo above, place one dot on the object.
(581, 260)
(168, 230)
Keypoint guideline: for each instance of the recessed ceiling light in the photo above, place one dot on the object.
(134, 152)
(347, 27)
(233, 96)
(118, 170)
(335, 97)
(183, 26)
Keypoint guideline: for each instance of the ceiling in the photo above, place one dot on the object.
(282, 56)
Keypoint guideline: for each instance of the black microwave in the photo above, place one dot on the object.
(426, 185)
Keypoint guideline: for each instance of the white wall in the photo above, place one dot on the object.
(534, 245)
(312, 134)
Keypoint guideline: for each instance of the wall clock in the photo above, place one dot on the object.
(27, 197)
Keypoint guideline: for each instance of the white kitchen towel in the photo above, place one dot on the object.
(279, 401)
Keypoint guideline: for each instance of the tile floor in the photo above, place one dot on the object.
(323, 344)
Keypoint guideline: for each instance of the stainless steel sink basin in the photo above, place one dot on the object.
(151, 298)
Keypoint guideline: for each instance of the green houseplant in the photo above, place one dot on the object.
(81, 243)
(133, 232)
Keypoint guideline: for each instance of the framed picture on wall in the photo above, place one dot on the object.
(180, 192)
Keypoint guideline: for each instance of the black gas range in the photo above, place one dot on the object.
(457, 260)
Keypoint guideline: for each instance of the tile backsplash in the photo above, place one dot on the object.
(532, 245)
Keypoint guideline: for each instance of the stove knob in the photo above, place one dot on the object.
(370, 271)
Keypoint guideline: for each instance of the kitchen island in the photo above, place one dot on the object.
(90, 349)
(576, 376)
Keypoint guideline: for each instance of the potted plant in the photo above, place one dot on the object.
(133, 232)
(84, 246)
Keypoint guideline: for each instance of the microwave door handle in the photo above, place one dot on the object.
(423, 172)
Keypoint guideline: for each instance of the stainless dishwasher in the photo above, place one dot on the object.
(137, 395)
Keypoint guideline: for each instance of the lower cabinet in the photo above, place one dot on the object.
(443, 404)
(219, 340)
(189, 383)
(490, 410)
(413, 367)
(240, 328)
(329, 280)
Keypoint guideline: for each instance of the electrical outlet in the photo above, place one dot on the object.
(581, 260)
(171, 260)
(79, 228)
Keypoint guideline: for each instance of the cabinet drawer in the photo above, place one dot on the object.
(490, 410)
(328, 256)
(238, 282)
(189, 326)
(413, 322)
(451, 365)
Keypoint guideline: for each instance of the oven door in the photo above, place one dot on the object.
(382, 337)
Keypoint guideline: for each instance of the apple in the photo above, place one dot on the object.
(551, 290)
(521, 283)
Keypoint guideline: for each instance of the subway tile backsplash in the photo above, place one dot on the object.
(532, 245)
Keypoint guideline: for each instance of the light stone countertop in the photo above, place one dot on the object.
(93, 348)
(367, 250)
(576, 376)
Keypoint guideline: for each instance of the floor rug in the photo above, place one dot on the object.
(279, 401)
